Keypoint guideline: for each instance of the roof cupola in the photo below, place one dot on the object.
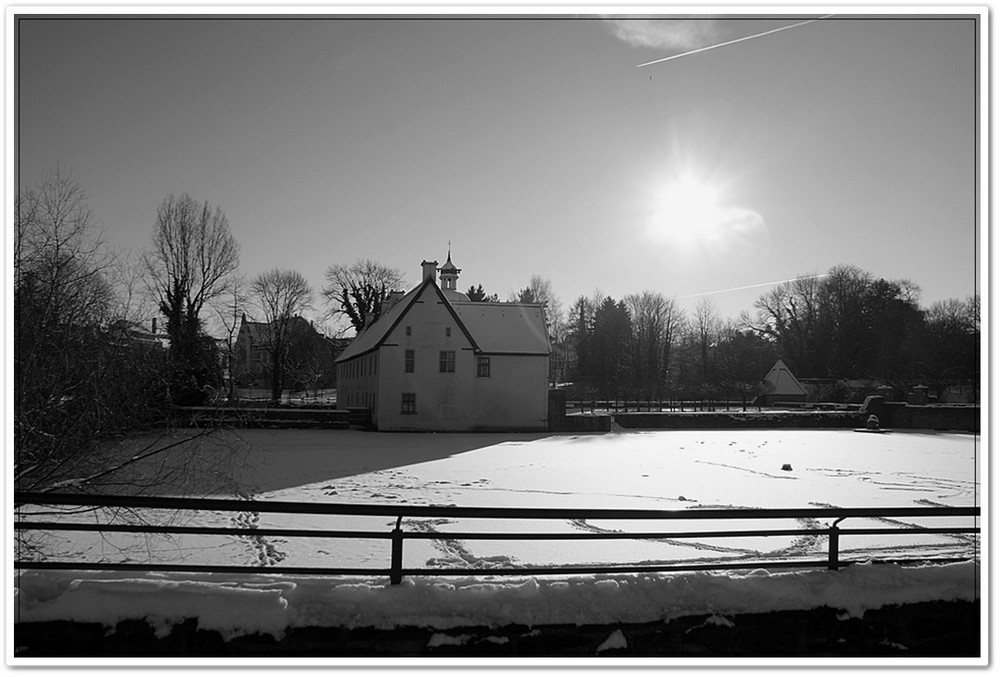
(449, 273)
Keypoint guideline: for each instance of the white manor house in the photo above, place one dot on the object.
(435, 360)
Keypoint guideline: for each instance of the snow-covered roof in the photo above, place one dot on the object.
(507, 328)
(455, 296)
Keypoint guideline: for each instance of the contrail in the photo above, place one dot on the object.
(753, 286)
(733, 42)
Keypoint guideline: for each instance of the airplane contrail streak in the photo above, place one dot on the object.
(733, 42)
(753, 286)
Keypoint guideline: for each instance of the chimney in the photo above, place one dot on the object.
(429, 270)
(154, 326)
(393, 299)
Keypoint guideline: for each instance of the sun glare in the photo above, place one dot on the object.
(686, 210)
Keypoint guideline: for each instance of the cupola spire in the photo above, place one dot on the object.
(449, 273)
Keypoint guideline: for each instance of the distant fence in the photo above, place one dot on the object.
(397, 536)
(263, 417)
(594, 406)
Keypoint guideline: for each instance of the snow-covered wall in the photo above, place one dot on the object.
(238, 605)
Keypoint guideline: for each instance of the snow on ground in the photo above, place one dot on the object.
(240, 604)
(676, 470)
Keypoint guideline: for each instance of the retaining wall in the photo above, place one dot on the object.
(923, 417)
(739, 420)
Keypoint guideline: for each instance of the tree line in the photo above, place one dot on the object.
(85, 373)
(844, 325)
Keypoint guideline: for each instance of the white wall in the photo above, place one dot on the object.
(443, 399)
(515, 396)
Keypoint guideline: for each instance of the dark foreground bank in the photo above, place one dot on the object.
(928, 629)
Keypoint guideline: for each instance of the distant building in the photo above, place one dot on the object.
(139, 335)
(780, 385)
(434, 360)
(309, 357)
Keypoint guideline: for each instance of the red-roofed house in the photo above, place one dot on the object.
(434, 360)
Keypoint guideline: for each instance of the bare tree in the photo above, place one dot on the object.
(281, 295)
(789, 314)
(655, 321)
(133, 302)
(539, 290)
(81, 377)
(59, 258)
(193, 254)
(90, 410)
(229, 310)
(707, 327)
(357, 291)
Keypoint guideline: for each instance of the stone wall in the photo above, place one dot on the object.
(739, 420)
(559, 422)
(923, 417)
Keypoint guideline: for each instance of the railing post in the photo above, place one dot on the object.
(396, 565)
(834, 561)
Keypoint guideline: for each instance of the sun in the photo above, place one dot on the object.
(686, 210)
(693, 217)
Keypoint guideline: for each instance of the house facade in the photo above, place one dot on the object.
(309, 358)
(434, 360)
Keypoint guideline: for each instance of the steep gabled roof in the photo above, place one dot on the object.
(512, 328)
(373, 336)
(259, 332)
(783, 381)
(255, 331)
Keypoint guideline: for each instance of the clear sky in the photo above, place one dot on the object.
(535, 146)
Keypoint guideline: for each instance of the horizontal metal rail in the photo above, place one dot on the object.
(396, 536)
(470, 535)
(239, 505)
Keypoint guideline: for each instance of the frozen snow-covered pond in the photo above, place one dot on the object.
(673, 470)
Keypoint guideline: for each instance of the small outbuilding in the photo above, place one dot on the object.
(780, 385)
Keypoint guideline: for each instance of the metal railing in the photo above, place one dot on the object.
(397, 536)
